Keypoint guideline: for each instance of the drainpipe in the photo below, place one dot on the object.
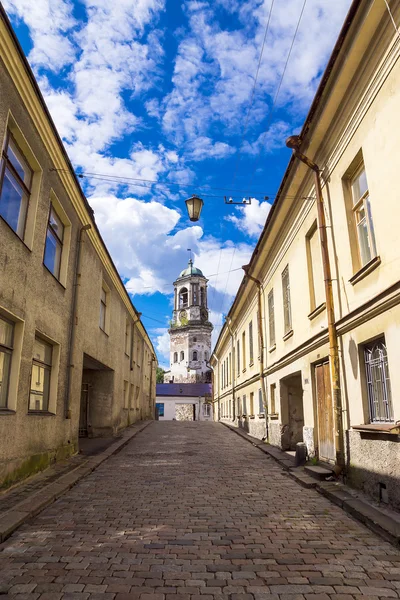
(74, 320)
(246, 269)
(228, 324)
(153, 358)
(294, 142)
(216, 384)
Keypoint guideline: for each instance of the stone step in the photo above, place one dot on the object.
(318, 472)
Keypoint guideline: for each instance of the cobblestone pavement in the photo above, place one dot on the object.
(192, 511)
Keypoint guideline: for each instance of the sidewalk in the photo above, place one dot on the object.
(27, 499)
(381, 520)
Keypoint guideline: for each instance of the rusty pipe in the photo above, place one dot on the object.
(294, 142)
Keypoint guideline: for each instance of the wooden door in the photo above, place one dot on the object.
(326, 439)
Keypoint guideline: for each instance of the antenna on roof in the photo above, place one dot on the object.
(190, 254)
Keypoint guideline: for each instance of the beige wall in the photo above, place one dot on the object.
(357, 116)
(37, 302)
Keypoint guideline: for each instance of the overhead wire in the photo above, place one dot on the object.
(392, 18)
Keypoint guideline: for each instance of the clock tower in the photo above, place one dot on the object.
(190, 330)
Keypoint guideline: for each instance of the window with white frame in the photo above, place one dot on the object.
(244, 350)
(261, 409)
(244, 405)
(6, 351)
(315, 268)
(271, 318)
(378, 382)
(15, 186)
(251, 352)
(207, 410)
(363, 217)
(40, 376)
(252, 404)
(54, 243)
(238, 358)
(287, 310)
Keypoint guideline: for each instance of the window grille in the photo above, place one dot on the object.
(378, 382)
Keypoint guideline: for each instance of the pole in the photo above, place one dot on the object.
(332, 332)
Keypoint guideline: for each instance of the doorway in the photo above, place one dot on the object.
(84, 411)
(326, 440)
(97, 394)
(291, 391)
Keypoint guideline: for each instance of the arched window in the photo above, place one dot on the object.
(183, 298)
(206, 355)
(182, 355)
(195, 355)
(202, 297)
(195, 339)
(175, 357)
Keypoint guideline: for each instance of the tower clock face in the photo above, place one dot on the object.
(204, 314)
(183, 315)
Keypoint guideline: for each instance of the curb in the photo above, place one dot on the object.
(30, 507)
(382, 524)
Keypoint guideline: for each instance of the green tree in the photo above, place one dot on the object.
(160, 375)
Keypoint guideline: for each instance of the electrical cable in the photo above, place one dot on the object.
(392, 18)
(277, 93)
(252, 96)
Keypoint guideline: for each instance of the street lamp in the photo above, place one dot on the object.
(294, 142)
(194, 204)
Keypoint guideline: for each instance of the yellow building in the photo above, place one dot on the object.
(272, 372)
(74, 355)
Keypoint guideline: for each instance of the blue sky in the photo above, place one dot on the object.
(164, 91)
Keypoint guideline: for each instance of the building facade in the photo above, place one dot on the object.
(75, 359)
(184, 402)
(272, 372)
(190, 330)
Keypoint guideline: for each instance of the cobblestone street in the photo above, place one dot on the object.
(190, 510)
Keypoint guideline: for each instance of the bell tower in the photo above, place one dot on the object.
(190, 330)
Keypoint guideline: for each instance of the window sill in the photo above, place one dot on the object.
(272, 348)
(16, 234)
(105, 332)
(42, 413)
(273, 416)
(287, 335)
(244, 371)
(127, 355)
(391, 428)
(261, 415)
(366, 270)
(54, 277)
(7, 411)
(317, 311)
(251, 417)
(251, 364)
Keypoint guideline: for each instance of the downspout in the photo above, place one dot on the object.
(153, 358)
(74, 320)
(228, 324)
(246, 269)
(294, 142)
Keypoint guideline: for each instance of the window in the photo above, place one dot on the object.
(132, 396)
(244, 405)
(251, 357)
(315, 270)
(244, 350)
(207, 410)
(272, 398)
(183, 298)
(286, 300)
(378, 382)
(126, 394)
(230, 368)
(182, 355)
(175, 357)
(363, 217)
(6, 350)
(194, 355)
(195, 292)
(251, 403)
(15, 187)
(160, 408)
(195, 339)
(238, 407)
(222, 376)
(127, 337)
(54, 243)
(206, 356)
(202, 297)
(40, 377)
(261, 408)
(238, 358)
(271, 318)
(103, 309)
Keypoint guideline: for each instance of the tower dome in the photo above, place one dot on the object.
(191, 270)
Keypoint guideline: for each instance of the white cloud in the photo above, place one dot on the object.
(251, 218)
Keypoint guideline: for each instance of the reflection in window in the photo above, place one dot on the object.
(6, 349)
(40, 378)
(15, 187)
(54, 243)
(363, 217)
